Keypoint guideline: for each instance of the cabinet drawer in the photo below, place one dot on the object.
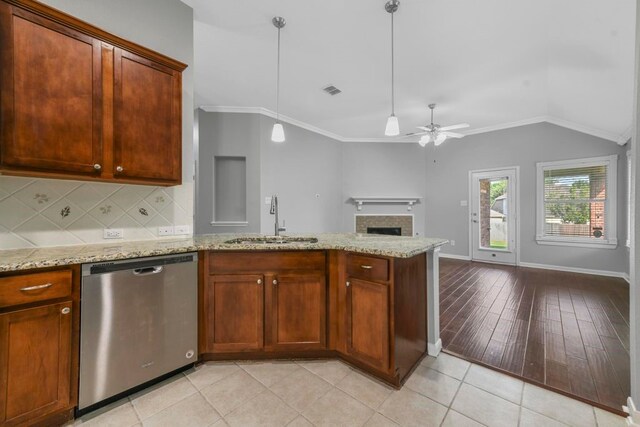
(367, 267)
(263, 262)
(28, 288)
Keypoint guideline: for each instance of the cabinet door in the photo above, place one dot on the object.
(368, 322)
(234, 307)
(147, 119)
(35, 362)
(296, 311)
(51, 104)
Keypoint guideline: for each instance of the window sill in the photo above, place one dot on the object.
(604, 244)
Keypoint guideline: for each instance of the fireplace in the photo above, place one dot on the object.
(388, 231)
(392, 225)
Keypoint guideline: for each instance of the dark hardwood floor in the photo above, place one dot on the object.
(567, 331)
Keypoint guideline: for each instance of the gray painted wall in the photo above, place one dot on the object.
(305, 165)
(384, 169)
(165, 26)
(448, 183)
(227, 134)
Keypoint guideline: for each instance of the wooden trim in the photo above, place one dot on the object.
(93, 31)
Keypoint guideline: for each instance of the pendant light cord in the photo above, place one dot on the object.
(278, 82)
(393, 97)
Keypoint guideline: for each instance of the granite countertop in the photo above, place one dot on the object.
(393, 246)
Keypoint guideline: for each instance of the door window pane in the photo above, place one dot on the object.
(494, 213)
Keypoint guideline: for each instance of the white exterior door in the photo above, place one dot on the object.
(493, 212)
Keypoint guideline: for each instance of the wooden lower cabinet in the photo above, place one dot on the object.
(368, 310)
(35, 362)
(367, 317)
(234, 312)
(296, 312)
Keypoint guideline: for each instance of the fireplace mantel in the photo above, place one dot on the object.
(409, 201)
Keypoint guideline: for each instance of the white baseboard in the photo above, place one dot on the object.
(633, 420)
(607, 273)
(434, 349)
(452, 256)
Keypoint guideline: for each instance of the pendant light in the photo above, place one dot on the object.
(393, 127)
(277, 134)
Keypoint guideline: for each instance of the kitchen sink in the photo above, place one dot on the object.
(271, 240)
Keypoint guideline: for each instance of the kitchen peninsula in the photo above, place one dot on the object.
(369, 300)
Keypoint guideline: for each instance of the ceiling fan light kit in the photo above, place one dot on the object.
(277, 134)
(436, 133)
(393, 126)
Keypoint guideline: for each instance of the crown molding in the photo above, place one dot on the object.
(619, 139)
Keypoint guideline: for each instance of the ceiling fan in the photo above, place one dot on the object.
(436, 133)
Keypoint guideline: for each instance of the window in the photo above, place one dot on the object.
(577, 202)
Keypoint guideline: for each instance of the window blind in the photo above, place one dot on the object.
(575, 201)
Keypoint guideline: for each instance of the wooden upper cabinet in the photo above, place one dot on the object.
(51, 95)
(80, 103)
(147, 119)
(35, 363)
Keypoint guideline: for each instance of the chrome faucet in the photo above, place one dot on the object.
(274, 211)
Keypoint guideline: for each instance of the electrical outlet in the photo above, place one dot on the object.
(113, 233)
(452, 242)
(181, 230)
(464, 203)
(165, 231)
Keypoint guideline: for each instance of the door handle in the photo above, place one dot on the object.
(147, 271)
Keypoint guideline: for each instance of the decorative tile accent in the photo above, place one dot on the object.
(43, 212)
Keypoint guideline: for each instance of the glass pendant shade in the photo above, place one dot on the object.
(277, 134)
(393, 127)
(424, 140)
(440, 139)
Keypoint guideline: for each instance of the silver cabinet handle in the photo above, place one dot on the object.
(36, 287)
(97, 166)
(275, 282)
(367, 267)
(259, 282)
(66, 310)
(348, 284)
(119, 168)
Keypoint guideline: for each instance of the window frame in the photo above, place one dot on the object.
(611, 242)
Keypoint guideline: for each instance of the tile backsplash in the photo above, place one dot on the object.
(45, 212)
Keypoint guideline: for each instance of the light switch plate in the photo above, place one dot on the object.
(464, 203)
(165, 231)
(452, 242)
(113, 233)
(267, 200)
(181, 230)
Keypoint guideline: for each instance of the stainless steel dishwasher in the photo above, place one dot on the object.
(138, 323)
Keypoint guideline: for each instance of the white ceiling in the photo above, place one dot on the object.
(491, 63)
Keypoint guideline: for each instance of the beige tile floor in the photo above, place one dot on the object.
(446, 391)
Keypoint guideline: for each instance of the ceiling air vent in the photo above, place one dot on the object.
(331, 90)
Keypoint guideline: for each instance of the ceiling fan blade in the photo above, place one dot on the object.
(408, 135)
(424, 128)
(453, 127)
(453, 134)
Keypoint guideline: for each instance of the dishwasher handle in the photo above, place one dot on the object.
(146, 271)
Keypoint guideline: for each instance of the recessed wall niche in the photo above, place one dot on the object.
(230, 190)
